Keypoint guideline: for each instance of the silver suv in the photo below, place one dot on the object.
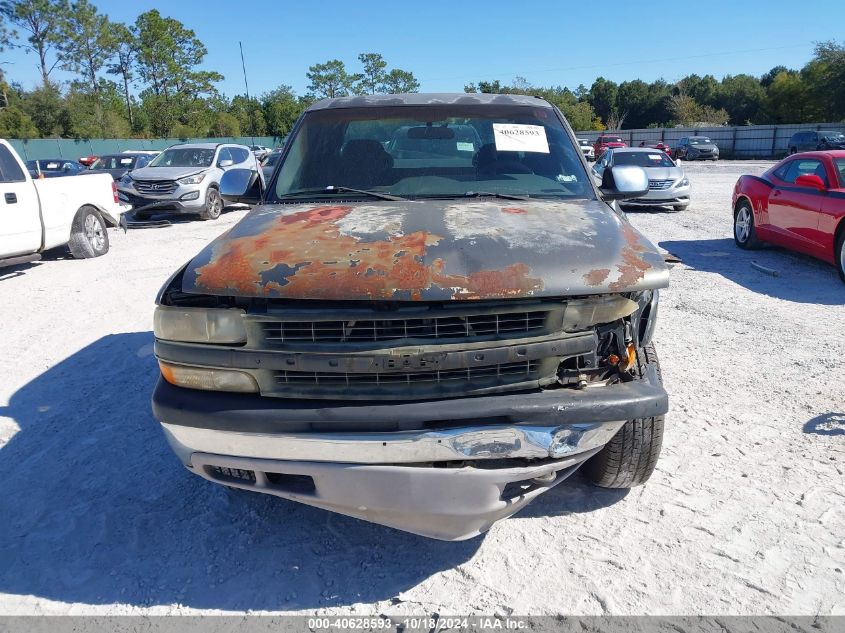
(184, 178)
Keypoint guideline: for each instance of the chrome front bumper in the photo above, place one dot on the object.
(448, 484)
(401, 447)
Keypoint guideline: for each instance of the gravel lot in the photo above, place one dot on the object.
(744, 515)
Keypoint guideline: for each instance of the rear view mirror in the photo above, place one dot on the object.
(623, 182)
(810, 180)
(226, 163)
(241, 186)
(431, 132)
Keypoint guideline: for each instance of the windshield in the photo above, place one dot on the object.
(272, 159)
(700, 140)
(611, 139)
(584, 142)
(49, 165)
(836, 137)
(113, 162)
(642, 159)
(184, 157)
(433, 151)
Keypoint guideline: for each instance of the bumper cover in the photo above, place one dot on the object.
(444, 469)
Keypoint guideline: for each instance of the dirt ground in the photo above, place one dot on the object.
(744, 515)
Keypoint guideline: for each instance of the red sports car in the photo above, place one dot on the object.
(798, 204)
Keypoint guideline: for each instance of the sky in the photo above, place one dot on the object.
(449, 44)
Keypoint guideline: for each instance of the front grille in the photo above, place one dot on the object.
(340, 351)
(505, 371)
(659, 184)
(158, 187)
(277, 333)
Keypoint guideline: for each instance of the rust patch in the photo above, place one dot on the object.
(633, 266)
(596, 277)
(315, 260)
(514, 210)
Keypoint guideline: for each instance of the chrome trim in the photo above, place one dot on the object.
(402, 447)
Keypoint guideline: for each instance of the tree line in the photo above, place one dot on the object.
(815, 93)
(145, 79)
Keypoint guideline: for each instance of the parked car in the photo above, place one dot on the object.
(810, 140)
(87, 161)
(668, 185)
(42, 214)
(607, 140)
(798, 204)
(696, 148)
(269, 163)
(118, 165)
(587, 148)
(657, 145)
(53, 167)
(184, 178)
(414, 341)
(260, 151)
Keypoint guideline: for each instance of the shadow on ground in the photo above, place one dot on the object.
(97, 510)
(801, 279)
(826, 424)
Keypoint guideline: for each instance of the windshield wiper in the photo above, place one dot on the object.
(504, 196)
(332, 189)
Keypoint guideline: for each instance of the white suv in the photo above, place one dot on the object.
(184, 178)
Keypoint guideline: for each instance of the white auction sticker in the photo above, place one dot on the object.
(517, 137)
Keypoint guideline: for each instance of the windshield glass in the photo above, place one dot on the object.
(643, 159)
(113, 162)
(184, 157)
(433, 151)
(272, 159)
(584, 142)
(700, 140)
(611, 139)
(836, 137)
(49, 165)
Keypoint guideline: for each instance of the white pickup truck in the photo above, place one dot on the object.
(36, 215)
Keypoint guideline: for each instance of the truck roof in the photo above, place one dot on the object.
(430, 98)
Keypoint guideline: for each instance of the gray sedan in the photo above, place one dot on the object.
(668, 185)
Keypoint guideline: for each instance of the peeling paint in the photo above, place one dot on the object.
(427, 251)
(527, 226)
(596, 277)
(312, 257)
(633, 267)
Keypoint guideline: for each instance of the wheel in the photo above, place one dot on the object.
(630, 457)
(88, 234)
(745, 235)
(840, 258)
(680, 207)
(213, 205)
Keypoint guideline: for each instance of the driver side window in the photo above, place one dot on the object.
(805, 167)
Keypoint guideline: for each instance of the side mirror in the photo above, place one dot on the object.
(225, 163)
(241, 186)
(623, 181)
(810, 180)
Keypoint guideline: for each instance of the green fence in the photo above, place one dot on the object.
(75, 149)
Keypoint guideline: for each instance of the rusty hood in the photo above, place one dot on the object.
(427, 250)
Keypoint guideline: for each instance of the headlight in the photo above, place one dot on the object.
(208, 378)
(683, 182)
(581, 314)
(192, 180)
(199, 325)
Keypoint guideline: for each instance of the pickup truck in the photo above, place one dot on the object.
(425, 332)
(40, 214)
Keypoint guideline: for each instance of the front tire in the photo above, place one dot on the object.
(745, 233)
(840, 250)
(213, 205)
(630, 457)
(89, 236)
